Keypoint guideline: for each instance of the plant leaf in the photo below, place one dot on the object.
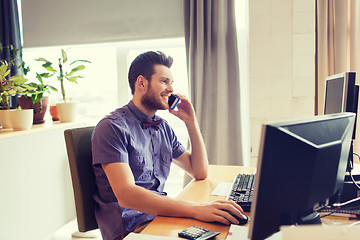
(6, 73)
(51, 69)
(18, 79)
(78, 68)
(73, 79)
(39, 77)
(52, 88)
(3, 69)
(42, 60)
(36, 97)
(46, 75)
(64, 55)
(86, 61)
(46, 64)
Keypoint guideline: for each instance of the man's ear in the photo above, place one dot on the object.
(141, 82)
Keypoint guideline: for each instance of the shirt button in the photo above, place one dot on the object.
(153, 135)
(156, 174)
(155, 154)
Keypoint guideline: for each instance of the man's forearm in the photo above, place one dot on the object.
(199, 160)
(143, 200)
(146, 201)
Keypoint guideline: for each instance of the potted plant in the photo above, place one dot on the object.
(67, 110)
(35, 99)
(9, 85)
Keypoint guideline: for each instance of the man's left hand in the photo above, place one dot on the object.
(185, 110)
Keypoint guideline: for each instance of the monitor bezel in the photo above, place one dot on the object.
(348, 80)
(281, 126)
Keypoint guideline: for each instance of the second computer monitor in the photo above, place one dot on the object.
(341, 94)
(301, 163)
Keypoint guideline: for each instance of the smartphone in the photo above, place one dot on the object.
(173, 101)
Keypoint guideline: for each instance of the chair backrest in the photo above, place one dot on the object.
(78, 145)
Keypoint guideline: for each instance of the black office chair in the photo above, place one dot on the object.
(78, 145)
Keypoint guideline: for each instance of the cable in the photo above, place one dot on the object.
(357, 155)
(353, 180)
(345, 203)
(353, 224)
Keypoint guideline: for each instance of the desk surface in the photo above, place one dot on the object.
(198, 191)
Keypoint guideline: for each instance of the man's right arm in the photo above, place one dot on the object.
(129, 195)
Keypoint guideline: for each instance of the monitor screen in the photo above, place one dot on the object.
(341, 94)
(301, 164)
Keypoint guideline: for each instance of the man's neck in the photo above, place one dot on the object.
(149, 113)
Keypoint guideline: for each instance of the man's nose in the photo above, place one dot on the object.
(170, 88)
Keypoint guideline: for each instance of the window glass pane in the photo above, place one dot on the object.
(96, 92)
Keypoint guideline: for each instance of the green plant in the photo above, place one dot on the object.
(11, 85)
(63, 73)
(38, 89)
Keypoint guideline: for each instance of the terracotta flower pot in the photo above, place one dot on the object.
(26, 103)
(54, 113)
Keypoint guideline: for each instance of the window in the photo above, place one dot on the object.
(96, 92)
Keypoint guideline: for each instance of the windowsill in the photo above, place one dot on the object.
(48, 125)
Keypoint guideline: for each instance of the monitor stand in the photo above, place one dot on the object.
(302, 217)
(309, 217)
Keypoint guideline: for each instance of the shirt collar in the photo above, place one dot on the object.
(139, 114)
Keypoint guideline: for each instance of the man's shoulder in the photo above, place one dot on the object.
(114, 118)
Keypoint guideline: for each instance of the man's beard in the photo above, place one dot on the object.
(152, 102)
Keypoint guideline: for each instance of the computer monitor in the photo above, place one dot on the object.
(341, 94)
(301, 164)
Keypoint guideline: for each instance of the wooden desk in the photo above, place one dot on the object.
(198, 191)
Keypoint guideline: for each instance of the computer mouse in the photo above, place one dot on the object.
(242, 221)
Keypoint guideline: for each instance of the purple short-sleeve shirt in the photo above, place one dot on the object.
(119, 137)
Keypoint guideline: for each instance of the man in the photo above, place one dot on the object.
(132, 152)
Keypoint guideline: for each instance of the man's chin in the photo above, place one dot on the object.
(164, 107)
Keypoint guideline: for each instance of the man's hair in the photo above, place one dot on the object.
(144, 65)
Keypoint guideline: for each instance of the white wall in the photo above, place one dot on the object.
(36, 191)
(282, 63)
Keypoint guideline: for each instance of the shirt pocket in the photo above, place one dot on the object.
(141, 166)
(166, 160)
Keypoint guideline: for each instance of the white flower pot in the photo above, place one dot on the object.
(67, 111)
(21, 119)
(5, 119)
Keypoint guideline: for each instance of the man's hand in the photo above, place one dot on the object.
(185, 110)
(215, 212)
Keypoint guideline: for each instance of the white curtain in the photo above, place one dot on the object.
(338, 45)
(213, 69)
